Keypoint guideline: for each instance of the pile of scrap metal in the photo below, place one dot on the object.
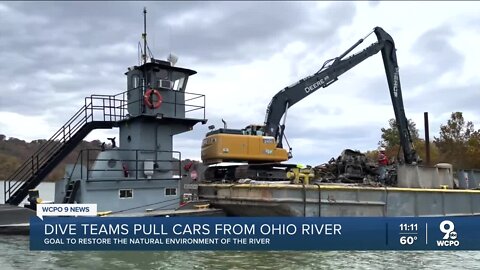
(354, 167)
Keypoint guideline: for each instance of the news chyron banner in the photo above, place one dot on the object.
(90, 232)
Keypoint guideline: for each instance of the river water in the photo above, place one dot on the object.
(15, 254)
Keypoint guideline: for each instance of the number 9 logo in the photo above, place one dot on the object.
(447, 228)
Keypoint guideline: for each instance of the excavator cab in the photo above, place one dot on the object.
(241, 145)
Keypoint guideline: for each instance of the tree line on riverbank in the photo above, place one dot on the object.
(14, 152)
(457, 143)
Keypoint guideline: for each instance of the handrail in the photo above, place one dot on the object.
(47, 148)
(104, 108)
(47, 143)
(176, 158)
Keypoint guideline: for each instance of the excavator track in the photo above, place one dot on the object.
(261, 172)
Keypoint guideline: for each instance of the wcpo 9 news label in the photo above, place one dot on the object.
(59, 230)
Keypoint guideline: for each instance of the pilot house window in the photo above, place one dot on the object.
(179, 80)
(136, 81)
(125, 193)
(170, 191)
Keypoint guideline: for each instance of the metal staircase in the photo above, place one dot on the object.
(71, 191)
(99, 112)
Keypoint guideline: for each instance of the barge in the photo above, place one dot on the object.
(421, 191)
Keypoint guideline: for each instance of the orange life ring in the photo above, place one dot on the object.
(147, 98)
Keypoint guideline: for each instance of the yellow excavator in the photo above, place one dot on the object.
(250, 144)
(261, 146)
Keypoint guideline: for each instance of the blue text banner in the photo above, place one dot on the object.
(254, 233)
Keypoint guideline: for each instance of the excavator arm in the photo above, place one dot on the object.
(389, 56)
(328, 74)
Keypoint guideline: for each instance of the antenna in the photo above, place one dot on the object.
(170, 38)
(144, 35)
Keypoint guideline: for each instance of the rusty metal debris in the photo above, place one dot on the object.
(353, 167)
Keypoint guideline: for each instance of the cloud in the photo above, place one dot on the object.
(374, 3)
(436, 56)
(55, 54)
(245, 31)
(84, 47)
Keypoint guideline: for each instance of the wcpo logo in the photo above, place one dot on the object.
(450, 235)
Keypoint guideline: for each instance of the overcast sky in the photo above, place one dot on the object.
(53, 54)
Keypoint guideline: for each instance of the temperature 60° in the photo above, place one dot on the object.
(407, 240)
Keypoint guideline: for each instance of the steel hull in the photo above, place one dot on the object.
(339, 200)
